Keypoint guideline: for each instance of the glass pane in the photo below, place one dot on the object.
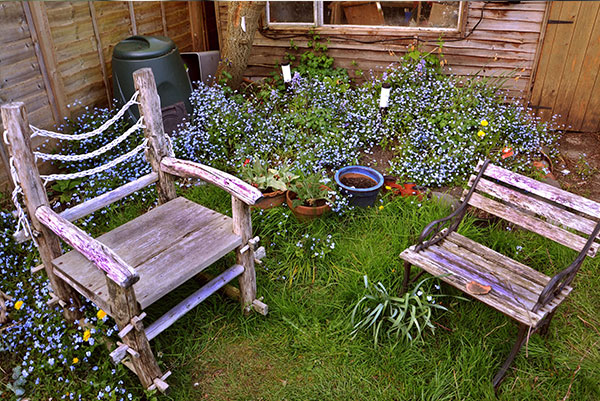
(291, 11)
(435, 14)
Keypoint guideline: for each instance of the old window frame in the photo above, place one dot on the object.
(318, 25)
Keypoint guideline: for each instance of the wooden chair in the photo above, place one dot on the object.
(517, 290)
(129, 268)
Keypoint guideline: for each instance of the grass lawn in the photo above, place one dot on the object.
(303, 349)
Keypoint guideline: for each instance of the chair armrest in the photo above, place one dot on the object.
(99, 254)
(565, 277)
(434, 229)
(236, 187)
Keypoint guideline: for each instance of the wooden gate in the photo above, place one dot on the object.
(567, 81)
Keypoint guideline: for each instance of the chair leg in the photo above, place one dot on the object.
(543, 330)
(521, 336)
(407, 266)
(242, 226)
(124, 307)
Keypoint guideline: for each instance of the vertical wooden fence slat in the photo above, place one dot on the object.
(572, 72)
(132, 18)
(585, 85)
(163, 16)
(43, 69)
(107, 86)
(41, 26)
(198, 26)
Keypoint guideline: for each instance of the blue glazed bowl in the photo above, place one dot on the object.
(362, 197)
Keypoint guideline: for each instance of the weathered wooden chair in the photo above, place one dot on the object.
(517, 290)
(129, 268)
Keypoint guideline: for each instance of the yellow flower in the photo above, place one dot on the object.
(484, 123)
(86, 335)
(388, 187)
(75, 360)
(481, 134)
(18, 305)
(101, 314)
(381, 207)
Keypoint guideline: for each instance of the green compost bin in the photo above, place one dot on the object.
(161, 55)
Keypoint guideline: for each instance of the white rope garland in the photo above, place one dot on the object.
(97, 152)
(22, 220)
(95, 170)
(86, 135)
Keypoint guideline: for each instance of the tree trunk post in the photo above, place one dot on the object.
(242, 226)
(242, 23)
(158, 144)
(16, 123)
(124, 308)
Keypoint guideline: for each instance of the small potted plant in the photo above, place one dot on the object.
(273, 183)
(361, 184)
(309, 198)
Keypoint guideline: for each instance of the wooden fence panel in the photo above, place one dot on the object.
(178, 24)
(567, 78)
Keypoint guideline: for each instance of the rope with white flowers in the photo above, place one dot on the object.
(95, 170)
(86, 135)
(97, 152)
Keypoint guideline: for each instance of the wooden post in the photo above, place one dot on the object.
(123, 309)
(15, 121)
(47, 49)
(242, 226)
(158, 146)
(100, 49)
(163, 18)
(198, 26)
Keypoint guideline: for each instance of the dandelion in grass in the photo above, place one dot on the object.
(18, 305)
(480, 134)
(484, 123)
(101, 314)
(86, 335)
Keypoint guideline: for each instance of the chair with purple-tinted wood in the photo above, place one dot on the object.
(133, 266)
(517, 290)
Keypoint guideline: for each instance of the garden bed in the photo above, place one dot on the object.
(313, 273)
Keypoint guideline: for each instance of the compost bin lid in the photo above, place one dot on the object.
(143, 47)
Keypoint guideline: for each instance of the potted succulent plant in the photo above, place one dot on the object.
(309, 198)
(272, 182)
(361, 184)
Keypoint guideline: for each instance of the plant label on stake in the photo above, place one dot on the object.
(287, 73)
(384, 98)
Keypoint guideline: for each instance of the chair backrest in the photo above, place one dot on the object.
(556, 214)
(157, 147)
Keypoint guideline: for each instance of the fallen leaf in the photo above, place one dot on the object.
(476, 288)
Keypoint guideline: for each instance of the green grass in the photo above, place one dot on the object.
(303, 349)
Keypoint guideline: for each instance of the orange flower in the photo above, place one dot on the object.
(101, 314)
(18, 305)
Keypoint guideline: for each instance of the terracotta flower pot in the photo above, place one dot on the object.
(306, 213)
(270, 200)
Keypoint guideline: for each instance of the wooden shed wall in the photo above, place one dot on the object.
(505, 42)
(59, 54)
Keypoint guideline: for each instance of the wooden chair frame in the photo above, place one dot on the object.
(50, 228)
(521, 198)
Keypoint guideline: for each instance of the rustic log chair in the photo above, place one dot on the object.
(128, 269)
(517, 290)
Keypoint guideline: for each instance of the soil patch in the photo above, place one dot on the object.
(354, 180)
(578, 169)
